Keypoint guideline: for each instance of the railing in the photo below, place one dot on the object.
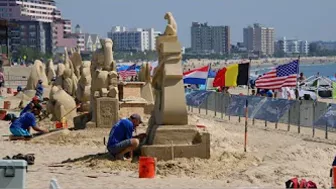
(15, 78)
(301, 113)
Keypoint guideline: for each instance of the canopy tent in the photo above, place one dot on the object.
(320, 84)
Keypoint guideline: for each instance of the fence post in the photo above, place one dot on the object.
(276, 125)
(206, 105)
(221, 105)
(253, 121)
(299, 125)
(215, 104)
(314, 108)
(265, 124)
(326, 130)
(289, 120)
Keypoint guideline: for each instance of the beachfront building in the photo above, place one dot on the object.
(136, 39)
(36, 35)
(259, 39)
(292, 47)
(42, 11)
(91, 42)
(206, 39)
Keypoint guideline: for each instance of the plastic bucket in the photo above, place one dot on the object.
(59, 125)
(9, 90)
(147, 167)
(7, 105)
(3, 114)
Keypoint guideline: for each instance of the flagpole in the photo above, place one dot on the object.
(246, 107)
(297, 78)
(206, 82)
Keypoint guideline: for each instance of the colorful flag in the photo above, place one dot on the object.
(196, 76)
(130, 71)
(233, 75)
(282, 76)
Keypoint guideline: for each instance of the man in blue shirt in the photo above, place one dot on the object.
(120, 139)
(22, 125)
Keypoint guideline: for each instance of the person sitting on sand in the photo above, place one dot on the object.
(120, 139)
(30, 105)
(22, 125)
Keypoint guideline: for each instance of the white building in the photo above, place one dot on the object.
(293, 46)
(136, 39)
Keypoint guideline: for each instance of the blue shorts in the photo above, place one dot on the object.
(16, 131)
(119, 147)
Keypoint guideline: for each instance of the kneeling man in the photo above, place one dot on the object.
(121, 138)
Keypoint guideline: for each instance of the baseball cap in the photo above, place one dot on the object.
(40, 81)
(36, 98)
(136, 116)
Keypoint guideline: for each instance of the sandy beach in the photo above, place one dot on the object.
(273, 157)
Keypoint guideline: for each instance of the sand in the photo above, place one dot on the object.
(77, 159)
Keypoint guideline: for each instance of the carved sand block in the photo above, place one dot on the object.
(107, 112)
(169, 135)
(37, 72)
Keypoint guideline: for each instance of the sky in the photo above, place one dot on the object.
(300, 19)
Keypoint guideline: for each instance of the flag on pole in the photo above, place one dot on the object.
(334, 90)
(130, 71)
(196, 76)
(282, 76)
(232, 76)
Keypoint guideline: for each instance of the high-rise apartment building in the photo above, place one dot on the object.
(210, 39)
(136, 39)
(259, 39)
(33, 34)
(39, 10)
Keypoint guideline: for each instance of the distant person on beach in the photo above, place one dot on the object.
(121, 140)
(39, 89)
(23, 125)
(2, 82)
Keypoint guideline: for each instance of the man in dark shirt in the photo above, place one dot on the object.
(22, 125)
(120, 139)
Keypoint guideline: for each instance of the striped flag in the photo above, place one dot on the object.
(282, 76)
(130, 71)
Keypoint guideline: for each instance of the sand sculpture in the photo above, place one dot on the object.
(66, 77)
(169, 134)
(84, 86)
(146, 89)
(104, 104)
(50, 72)
(76, 60)
(61, 104)
(37, 72)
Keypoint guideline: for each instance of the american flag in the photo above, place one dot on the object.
(130, 71)
(282, 76)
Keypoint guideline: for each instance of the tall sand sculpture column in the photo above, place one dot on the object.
(104, 105)
(169, 136)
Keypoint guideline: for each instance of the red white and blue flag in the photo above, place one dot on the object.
(282, 76)
(129, 72)
(196, 76)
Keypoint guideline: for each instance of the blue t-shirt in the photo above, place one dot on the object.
(25, 121)
(27, 108)
(122, 130)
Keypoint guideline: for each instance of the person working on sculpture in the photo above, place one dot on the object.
(30, 105)
(22, 125)
(120, 139)
(39, 89)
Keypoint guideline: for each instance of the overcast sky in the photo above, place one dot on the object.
(303, 19)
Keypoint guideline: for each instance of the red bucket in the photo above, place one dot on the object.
(3, 114)
(147, 167)
(7, 105)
